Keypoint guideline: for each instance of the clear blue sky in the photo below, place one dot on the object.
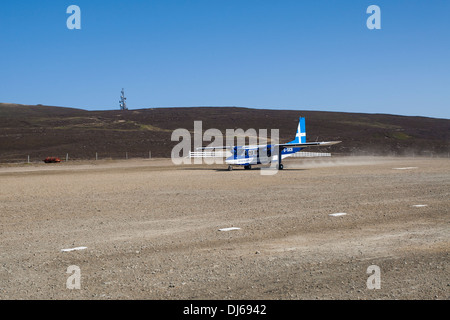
(285, 54)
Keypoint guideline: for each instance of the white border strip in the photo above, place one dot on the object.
(229, 229)
(73, 249)
(338, 214)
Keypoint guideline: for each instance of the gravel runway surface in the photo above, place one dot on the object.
(147, 229)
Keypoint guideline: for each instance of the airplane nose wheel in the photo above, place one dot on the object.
(280, 167)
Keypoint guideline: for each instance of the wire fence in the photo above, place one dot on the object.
(206, 154)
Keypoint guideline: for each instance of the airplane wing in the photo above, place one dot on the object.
(281, 145)
(215, 148)
(308, 144)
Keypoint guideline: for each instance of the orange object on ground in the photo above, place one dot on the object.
(52, 160)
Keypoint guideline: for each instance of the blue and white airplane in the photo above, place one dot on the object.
(247, 156)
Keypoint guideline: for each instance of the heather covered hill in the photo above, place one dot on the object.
(41, 131)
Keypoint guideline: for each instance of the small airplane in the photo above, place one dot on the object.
(247, 156)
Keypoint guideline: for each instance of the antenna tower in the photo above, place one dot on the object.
(122, 103)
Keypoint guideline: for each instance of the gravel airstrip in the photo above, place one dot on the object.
(148, 229)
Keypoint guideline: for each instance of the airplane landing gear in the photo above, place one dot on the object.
(230, 168)
(249, 167)
(280, 165)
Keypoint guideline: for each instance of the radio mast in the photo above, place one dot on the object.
(122, 103)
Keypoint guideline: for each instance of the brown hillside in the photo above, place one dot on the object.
(41, 131)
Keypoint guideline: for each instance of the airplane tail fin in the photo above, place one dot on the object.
(300, 137)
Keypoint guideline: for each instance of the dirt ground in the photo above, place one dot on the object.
(151, 230)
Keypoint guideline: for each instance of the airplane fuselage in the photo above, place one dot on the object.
(245, 156)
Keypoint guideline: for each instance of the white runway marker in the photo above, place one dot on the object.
(229, 229)
(73, 249)
(420, 205)
(405, 168)
(337, 214)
